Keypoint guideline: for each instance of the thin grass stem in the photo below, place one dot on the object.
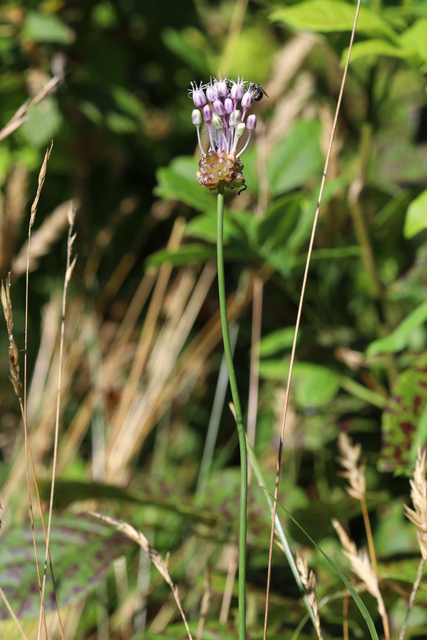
(238, 415)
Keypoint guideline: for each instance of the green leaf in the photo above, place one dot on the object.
(276, 341)
(404, 419)
(296, 158)
(44, 27)
(401, 336)
(313, 384)
(415, 39)
(43, 122)
(82, 550)
(375, 48)
(330, 15)
(178, 182)
(416, 216)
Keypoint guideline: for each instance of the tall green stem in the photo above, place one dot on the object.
(239, 418)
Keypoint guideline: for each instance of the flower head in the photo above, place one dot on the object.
(218, 104)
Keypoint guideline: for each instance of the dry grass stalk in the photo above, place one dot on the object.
(298, 319)
(69, 270)
(16, 382)
(363, 570)
(20, 116)
(12, 214)
(154, 556)
(204, 606)
(9, 608)
(418, 515)
(13, 349)
(354, 471)
(42, 240)
(355, 474)
(308, 580)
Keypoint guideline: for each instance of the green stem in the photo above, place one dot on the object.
(239, 418)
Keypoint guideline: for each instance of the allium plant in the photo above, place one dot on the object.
(217, 104)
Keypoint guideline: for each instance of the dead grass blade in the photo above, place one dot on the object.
(364, 571)
(20, 116)
(297, 323)
(154, 556)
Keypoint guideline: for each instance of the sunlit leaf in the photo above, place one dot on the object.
(402, 335)
(416, 216)
(329, 15)
(46, 27)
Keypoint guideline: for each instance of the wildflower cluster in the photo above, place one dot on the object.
(217, 105)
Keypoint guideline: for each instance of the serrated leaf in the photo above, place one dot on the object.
(404, 418)
(402, 335)
(329, 15)
(82, 550)
(416, 216)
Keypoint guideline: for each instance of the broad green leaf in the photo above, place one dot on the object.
(416, 216)
(330, 15)
(296, 158)
(43, 122)
(375, 48)
(313, 384)
(276, 341)
(69, 491)
(274, 229)
(82, 550)
(415, 39)
(46, 27)
(404, 419)
(178, 182)
(402, 335)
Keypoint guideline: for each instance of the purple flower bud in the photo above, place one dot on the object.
(251, 122)
(211, 92)
(207, 113)
(218, 108)
(247, 100)
(228, 105)
(222, 87)
(198, 94)
(238, 88)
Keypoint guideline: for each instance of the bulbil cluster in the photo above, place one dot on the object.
(223, 106)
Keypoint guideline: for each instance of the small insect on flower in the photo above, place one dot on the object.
(258, 91)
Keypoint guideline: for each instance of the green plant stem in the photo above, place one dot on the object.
(238, 415)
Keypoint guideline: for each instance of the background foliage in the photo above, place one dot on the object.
(143, 348)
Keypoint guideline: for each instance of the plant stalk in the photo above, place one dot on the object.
(238, 416)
